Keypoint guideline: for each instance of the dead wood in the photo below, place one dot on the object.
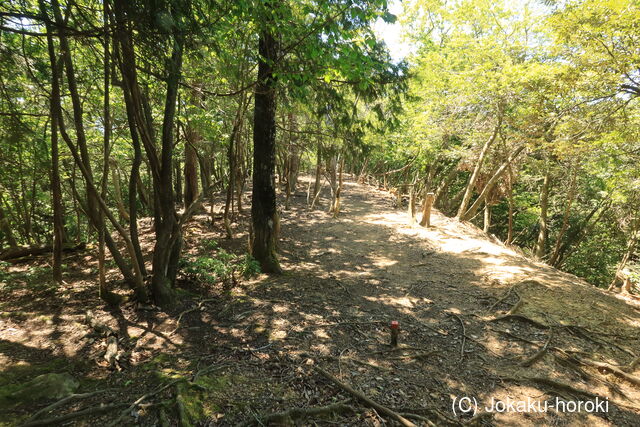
(15, 254)
(360, 396)
(97, 325)
(141, 399)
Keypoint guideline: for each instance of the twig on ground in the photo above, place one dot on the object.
(360, 396)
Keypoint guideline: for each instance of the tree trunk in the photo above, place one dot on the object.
(476, 171)
(56, 190)
(336, 203)
(264, 216)
(510, 213)
(191, 191)
(487, 217)
(5, 227)
(316, 185)
(426, 210)
(565, 216)
(540, 249)
(631, 247)
(78, 113)
(490, 184)
(575, 236)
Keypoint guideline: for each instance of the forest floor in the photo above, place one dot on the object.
(477, 320)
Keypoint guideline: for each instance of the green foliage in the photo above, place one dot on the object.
(219, 267)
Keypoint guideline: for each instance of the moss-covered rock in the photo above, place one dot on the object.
(196, 401)
(46, 387)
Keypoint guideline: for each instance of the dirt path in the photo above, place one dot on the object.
(346, 279)
(370, 265)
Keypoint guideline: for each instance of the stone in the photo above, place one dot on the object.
(50, 386)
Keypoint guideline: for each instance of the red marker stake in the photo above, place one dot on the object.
(395, 330)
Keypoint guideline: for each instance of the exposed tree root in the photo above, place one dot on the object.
(533, 359)
(608, 367)
(632, 366)
(94, 410)
(565, 390)
(464, 335)
(522, 318)
(160, 389)
(189, 310)
(288, 417)
(360, 396)
(63, 401)
(418, 356)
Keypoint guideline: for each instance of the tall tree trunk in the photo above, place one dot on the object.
(264, 216)
(317, 182)
(168, 245)
(77, 108)
(631, 247)
(487, 217)
(540, 249)
(576, 235)
(191, 191)
(510, 213)
(565, 216)
(476, 171)
(5, 227)
(338, 192)
(56, 191)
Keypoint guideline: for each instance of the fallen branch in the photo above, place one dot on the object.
(189, 310)
(20, 252)
(383, 409)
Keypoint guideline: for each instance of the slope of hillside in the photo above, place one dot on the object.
(477, 320)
